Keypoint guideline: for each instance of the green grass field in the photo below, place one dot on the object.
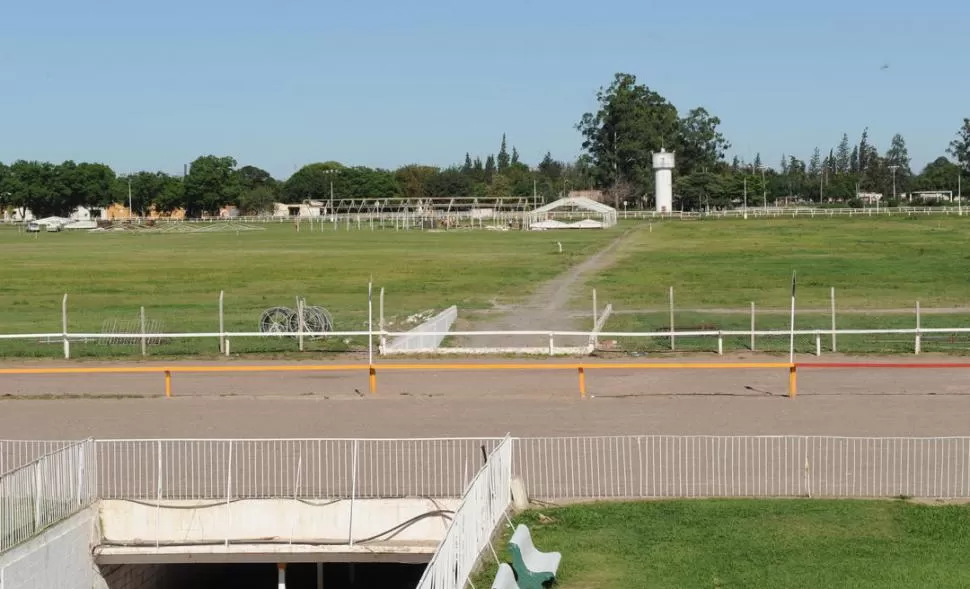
(872, 262)
(752, 544)
(177, 277)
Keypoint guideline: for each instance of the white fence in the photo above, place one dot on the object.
(552, 468)
(298, 468)
(743, 466)
(16, 453)
(46, 491)
(483, 506)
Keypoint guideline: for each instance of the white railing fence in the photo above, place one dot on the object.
(296, 468)
(483, 506)
(46, 491)
(743, 466)
(16, 453)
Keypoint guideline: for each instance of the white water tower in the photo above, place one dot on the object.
(663, 165)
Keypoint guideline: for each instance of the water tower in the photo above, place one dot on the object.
(663, 165)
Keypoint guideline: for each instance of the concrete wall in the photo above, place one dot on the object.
(59, 558)
(207, 521)
(143, 576)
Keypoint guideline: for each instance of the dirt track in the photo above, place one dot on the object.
(851, 402)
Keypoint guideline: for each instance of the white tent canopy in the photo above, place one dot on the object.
(574, 212)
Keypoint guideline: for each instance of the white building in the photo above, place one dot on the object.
(308, 209)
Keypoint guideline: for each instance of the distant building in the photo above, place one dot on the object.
(312, 208)
(869, 198)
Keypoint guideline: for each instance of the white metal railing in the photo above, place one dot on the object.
(45, 491)
(482, 508)
(716, 337)
(16, 453)
(743, 466)
(295, 468)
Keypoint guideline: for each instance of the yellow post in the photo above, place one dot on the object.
(582, 382)
(792, 381)
(373, 380)
(168, 383)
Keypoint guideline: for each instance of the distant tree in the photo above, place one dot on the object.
(630, 123)
(502, 160)
(413, 180)
(251, 177)
(449, 182)
(515, 156)
(313, 182)
(815, 164)
(489, 168)
(940, 174)
(843, 156)
(701, 144)
(960, 147)
(210, 184)
(467, 168)
(258, 200)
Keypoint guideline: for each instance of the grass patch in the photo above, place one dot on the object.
(177, 277)
(871, 262)
(723, 544)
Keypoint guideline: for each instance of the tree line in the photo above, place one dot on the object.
(631, 122)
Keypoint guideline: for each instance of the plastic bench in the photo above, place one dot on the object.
(505, 578)
(532, 567)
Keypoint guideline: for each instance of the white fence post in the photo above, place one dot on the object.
(720, 344)
(222, 323)
(144, 340)
(594, 309)
(834, 345)
(299, 321)
(752, 326)
(353, 494)
(229, 496)
(919, 339)
(672, 345)
(818, 343)
(67, 343)
(381, 321)
(552, 345)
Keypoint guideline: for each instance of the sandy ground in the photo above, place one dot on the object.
(437, 402)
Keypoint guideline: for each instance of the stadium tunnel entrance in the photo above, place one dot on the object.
(331, 575)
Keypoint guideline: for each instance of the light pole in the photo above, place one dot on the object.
(746, 196)
(764, 187)
(130, 211)
(894, 168)
(330, 173)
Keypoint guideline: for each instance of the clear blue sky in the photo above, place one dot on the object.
(151, 85)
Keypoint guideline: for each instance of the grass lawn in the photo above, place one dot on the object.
(873, 263)
(177, 277)
(751, 544)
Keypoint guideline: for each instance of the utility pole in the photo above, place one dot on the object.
(330, 173)
(130, 212)
(764, 187)
(745, 196)
(894, 167)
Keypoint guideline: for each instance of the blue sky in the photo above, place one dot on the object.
(151, 85)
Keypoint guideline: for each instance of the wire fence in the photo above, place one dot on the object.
(482, 508)
(45, 491)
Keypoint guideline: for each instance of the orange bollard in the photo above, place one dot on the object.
(373, 380)
(168, 383)
(792, 381)
(582, 382)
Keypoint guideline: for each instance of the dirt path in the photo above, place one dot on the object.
(548, 307)
(806, 311)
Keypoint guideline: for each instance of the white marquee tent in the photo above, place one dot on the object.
(574, 212)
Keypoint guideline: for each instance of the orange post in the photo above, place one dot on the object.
(168, 383)
(582, 382)
(373, 380)
(792, 381)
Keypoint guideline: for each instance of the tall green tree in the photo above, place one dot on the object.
(210, 184)
(313, 182)
(960, 147)
(843, 156)
(502, 161)
(701, 144)
(631, 122)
